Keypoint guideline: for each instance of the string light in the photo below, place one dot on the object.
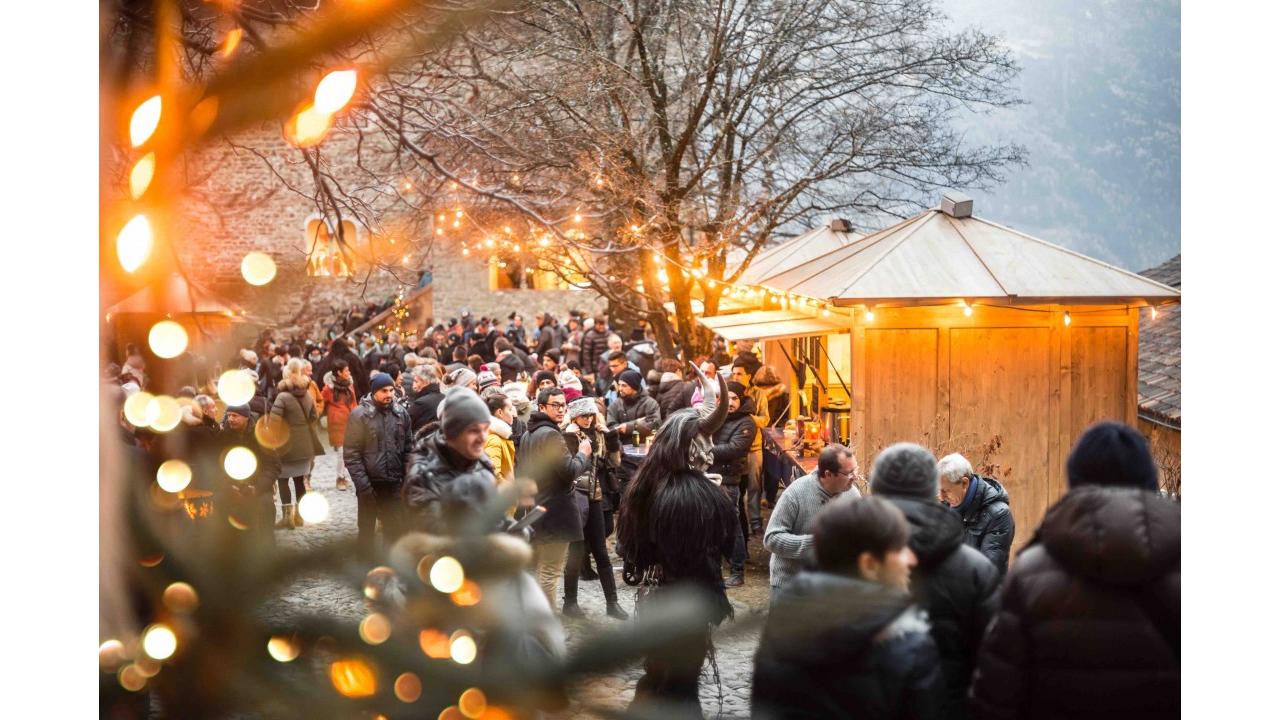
(1154, 314)
(133, 244)
(1066, 318)
(335, 90)
(140, 176)
(145, 119)
(968, 310)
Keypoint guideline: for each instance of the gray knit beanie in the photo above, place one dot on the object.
(461, 408)
(905, 470)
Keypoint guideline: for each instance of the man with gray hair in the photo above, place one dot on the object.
(983, 506)
(789, 535)
(953, 582)
(426, 396)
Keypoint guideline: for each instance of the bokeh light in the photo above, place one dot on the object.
(434, 644)
(145, 119)
(335, 91)
(235, 387)
(353, 678)
(131, 678)
(313, 507)
(473, 703)
(283, 649)
(110, 655)
(167, 339)
(408, 688)
(159, 642)
(462, 647)
(140, 177)
(138, 409)
(467, 595)
(165, 413)
(173, 476)
(258, 268)
(133, 244)
(272, 431)
(377, 579)
(375, 629)
(308, 127)
(447, 575)
(240, 462)
(180, 597)
(451, 713)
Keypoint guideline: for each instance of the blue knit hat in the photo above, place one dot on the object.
(379, 381)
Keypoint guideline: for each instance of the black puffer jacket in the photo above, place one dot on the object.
(1089, 615)
(422, 409)
(543, 456)
(731, 442)
(594, 345)
(841, 647)
(988, 522)
(957, 586)
(432, 466)
(376, 445)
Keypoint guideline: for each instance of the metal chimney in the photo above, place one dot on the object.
(841, 225)
(957, 204)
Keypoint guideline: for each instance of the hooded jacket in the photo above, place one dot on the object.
(544, 456)
(731, 444)
(432, 466)
(501, 450)
(988, 522)
(957, 586)
(1088, 625)
(673, 395)
(376, 445)
(842, 647)
(293, 403)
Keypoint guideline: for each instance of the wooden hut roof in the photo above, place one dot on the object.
(935, 256)
(1160, 353)
(807, 246)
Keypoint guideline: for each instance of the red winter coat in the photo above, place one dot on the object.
(338, 404)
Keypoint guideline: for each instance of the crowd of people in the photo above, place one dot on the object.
(898, 604)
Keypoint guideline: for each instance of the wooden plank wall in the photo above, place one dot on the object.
(934, 376)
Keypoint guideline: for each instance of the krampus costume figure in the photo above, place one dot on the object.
(675, 525)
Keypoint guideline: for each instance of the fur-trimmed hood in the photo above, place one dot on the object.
(295, 385)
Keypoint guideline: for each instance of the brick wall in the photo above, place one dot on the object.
(238, 204)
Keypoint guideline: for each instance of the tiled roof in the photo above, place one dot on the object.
(1160, 352)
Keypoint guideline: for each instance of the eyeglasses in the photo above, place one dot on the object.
(556, 405)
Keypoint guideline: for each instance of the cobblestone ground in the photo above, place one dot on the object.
(735, 641)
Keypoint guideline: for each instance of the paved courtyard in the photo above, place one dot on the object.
(734, 647)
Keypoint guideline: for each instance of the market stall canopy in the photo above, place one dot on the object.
(807, 246)
(769, 325)
(946, 254)
(727, 305)
(175, 296)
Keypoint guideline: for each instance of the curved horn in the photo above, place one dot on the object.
(712, 416)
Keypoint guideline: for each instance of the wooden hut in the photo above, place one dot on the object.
(963, 335)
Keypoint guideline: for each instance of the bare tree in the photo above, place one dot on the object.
(651, 138)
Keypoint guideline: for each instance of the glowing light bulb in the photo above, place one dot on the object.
(335, 91)
(133, 244)
(140, 177)
(968, 309)
(1154, 314)
(447, 575)
(240, 463)
(167, 339)
(159, 642)
(871, 316)
(353, 678)
(145, 120)
(258, 268)
(308, 127)
(314, 508)
(235, 387)
(1066, 318)
(174, 475)
(577, 217)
